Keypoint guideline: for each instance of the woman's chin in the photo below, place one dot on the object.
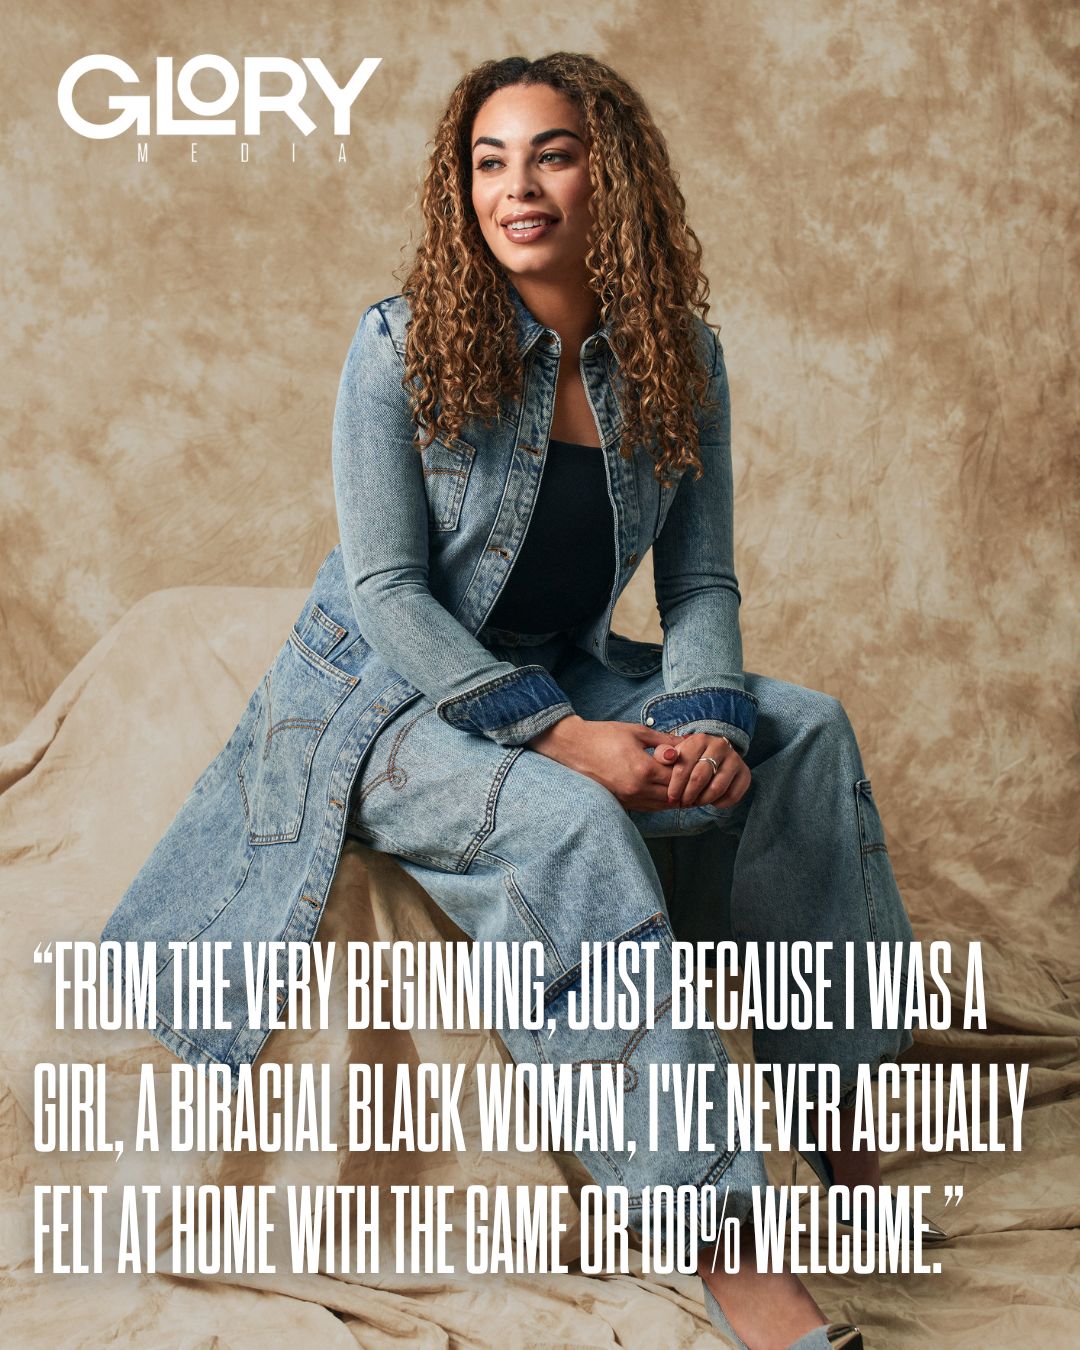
(534, 267)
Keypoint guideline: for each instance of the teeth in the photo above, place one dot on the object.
(525, 224)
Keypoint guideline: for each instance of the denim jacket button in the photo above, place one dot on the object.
(649, 721)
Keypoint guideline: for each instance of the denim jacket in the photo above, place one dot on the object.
(427, 544)
(397, 611)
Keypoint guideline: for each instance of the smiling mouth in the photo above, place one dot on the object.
(524, 232)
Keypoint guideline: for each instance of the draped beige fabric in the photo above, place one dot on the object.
(94, 781)
(886, 197)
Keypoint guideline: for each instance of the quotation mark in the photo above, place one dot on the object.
(953, 1195)
(46, 955)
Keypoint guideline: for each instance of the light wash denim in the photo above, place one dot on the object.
(427, 544)
(392, 713)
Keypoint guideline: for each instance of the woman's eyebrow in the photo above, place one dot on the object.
(538, 139)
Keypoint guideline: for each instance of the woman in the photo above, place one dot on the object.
(542, 404)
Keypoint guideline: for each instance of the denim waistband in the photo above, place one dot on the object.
(505, 637)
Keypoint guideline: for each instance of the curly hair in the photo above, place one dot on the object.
(644, 264)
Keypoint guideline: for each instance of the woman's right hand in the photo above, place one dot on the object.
(616, 755)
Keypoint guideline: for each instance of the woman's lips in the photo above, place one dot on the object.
(526, 236)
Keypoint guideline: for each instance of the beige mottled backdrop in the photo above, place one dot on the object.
(887, 198)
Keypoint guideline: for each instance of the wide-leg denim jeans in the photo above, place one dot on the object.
(514, 846)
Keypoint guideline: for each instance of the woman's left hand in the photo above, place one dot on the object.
(693, 782)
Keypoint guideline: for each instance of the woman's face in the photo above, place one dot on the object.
(529, 162)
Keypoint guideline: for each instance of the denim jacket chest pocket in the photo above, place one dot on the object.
(297, 698)
(663, 497)
(446, 475)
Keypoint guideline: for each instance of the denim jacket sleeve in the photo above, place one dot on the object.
(697, 593)
(383, 522)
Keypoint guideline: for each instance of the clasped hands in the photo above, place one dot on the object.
(648, 770)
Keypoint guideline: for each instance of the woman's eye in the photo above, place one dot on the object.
(555, 155)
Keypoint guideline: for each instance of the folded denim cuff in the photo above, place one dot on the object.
(510, 709)
(721, 712)
(520, 733)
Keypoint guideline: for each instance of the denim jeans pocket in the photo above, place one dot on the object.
(298, 696)
(876, 866)
(428, 791)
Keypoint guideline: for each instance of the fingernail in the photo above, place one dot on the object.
(668, 752)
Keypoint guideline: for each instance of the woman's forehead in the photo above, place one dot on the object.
(520, 112)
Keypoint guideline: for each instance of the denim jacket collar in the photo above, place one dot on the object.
(530, 330)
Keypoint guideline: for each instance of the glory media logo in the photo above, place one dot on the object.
(157, 113)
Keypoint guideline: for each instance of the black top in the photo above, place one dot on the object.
(565, 569)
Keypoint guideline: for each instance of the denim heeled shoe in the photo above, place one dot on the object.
(933, 1236)
(835, 1336)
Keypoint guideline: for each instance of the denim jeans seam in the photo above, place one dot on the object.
(848, 1093)
(541, 1051)
(415, 855)
(166, 1026)
(291, 931)
(391, 770)
(569, 975)
(494, 788)
(397, 777)
(866, 847)
(532, 922)
(291, 831)
(629, 1047)
(247, 753)
(719, 1164)
(296, 722)
(214, 917)
(667, 937)
(684, 830)
(633, 1041)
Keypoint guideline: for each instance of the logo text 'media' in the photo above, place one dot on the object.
(157, 112)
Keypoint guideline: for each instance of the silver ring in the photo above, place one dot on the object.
(715, 765)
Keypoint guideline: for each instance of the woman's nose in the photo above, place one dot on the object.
(522, 184)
